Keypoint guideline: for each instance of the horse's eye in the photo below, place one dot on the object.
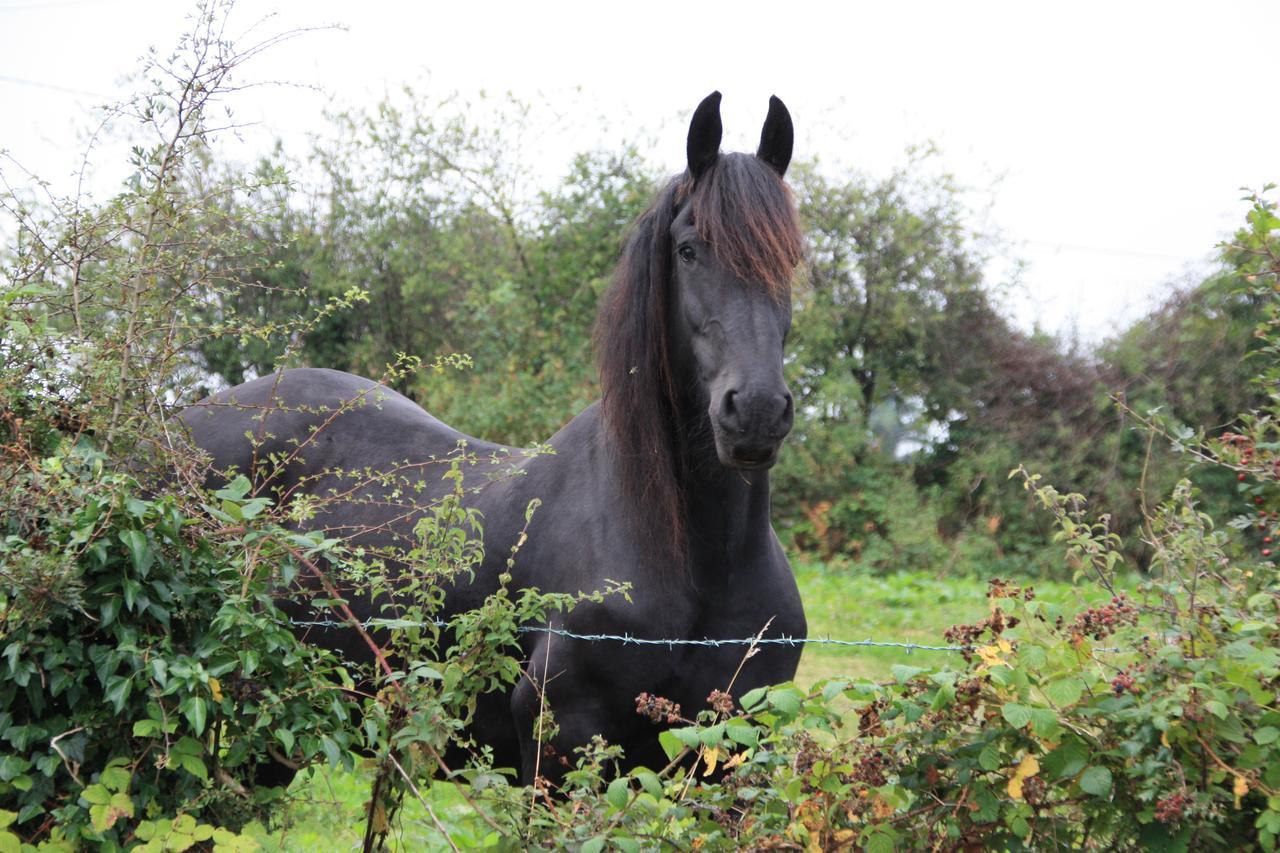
(687, 254)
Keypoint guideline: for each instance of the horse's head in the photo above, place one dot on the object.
(735, 244)
(693, 325)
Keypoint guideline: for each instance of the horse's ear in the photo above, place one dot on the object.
(704, 135)
(777, 137)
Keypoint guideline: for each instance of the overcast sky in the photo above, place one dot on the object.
(1109, 139)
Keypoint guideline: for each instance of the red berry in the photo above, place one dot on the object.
(1266, 540)
(1241, 477)
(1266, 552)
(1258, 500)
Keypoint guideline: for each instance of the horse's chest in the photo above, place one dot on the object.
(724, 658)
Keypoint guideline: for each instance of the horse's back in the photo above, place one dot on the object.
(305, 421)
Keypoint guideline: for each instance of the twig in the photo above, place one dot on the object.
(542, 709)
(53, 744)
(412, 787)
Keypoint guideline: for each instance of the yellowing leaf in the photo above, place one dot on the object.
(1027, 768)
(710, 755)
(1240, 788)
(991, 656)
(881, 808)
(734, 761)
(380, 822)
(215, 687)
(1164, 738)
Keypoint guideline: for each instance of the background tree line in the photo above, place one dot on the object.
(915, 394)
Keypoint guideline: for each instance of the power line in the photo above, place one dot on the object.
(54, 4)
(1108, 250)
(21, 81)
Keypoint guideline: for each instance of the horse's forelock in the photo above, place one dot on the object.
(745, 211)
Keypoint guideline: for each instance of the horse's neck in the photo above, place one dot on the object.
(727, 516)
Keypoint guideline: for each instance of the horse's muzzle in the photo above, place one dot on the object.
(749, 427)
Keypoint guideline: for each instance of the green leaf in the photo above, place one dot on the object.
(286, 739)
(332, 751)
(593, 845)
(670, 744)
(1266, 735)
(1044, 722)
(1016, 715)
(146, 728)
(881, 842)
(118, 690)
(1067, 760)
(116, 778)
(712, 735)
(618, 793)
(194, 709)
(139, 550)
(1064, 691)
(688, 736)
(1096, 781)
(902, 672)
(741, 731)
(649, 781)
(785, 700)
(96, 795)
(989, 758)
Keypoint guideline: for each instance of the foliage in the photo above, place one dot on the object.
(146, 669)
(150, 688)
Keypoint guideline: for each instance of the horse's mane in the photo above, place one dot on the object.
(742, 208)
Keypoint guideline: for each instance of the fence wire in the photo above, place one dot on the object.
(628, 640)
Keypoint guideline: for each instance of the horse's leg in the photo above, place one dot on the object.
(582, 705)
(273, 774)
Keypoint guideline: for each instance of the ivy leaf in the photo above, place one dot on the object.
(193, 708)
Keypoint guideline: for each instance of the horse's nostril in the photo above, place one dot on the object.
(728, 403)
(788, 407)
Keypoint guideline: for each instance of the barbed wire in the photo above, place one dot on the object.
(627, 639)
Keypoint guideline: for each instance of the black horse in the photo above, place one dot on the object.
(664, 483)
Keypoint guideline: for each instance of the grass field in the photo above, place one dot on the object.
(913, 607)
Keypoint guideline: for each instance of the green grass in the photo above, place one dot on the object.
(841, 602)
(907, 607)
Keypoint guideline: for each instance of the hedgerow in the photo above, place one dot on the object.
(147, 674)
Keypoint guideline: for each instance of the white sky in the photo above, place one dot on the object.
(1120, 132)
